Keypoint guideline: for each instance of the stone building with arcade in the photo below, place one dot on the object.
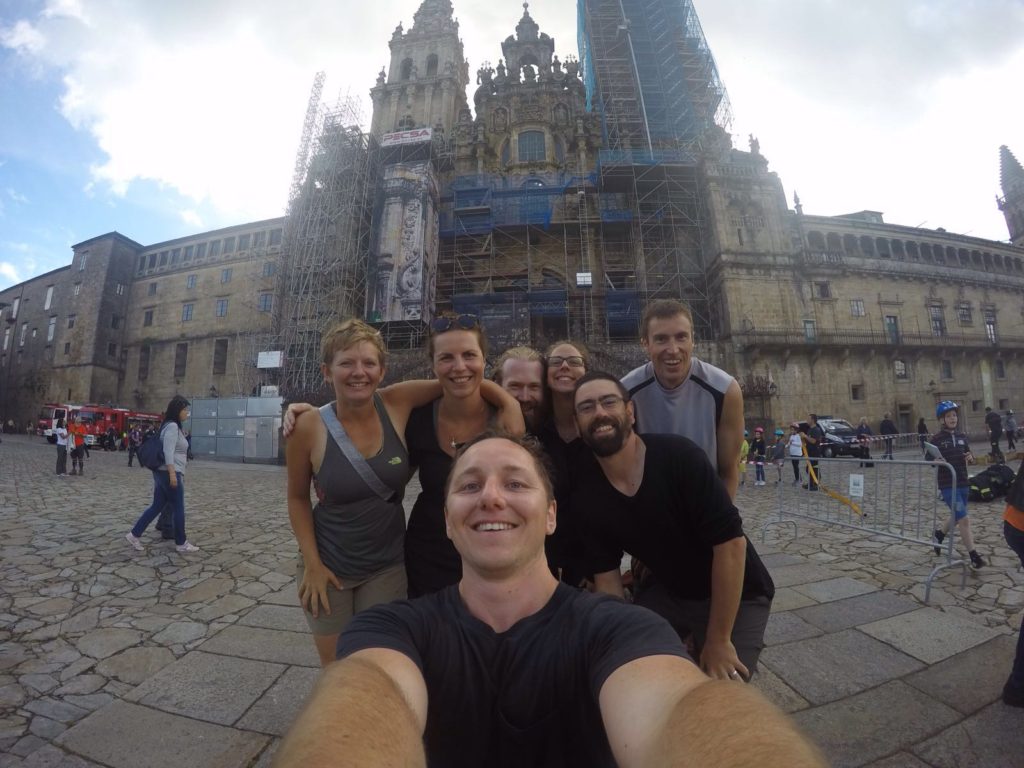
(552, 192)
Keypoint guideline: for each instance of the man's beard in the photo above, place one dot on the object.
(610, 444)
(531, 412)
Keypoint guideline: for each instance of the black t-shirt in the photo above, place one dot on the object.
(431, 562)
(524, 697)
(679, 513)
(564, 548)
(994, 422)
(954, 448)
(816, 432)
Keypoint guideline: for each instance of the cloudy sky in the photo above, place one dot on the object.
(160, 119)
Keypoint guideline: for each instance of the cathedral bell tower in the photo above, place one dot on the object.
(1011, 177)
(425, 84)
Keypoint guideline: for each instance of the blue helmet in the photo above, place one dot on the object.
(945, 407)
(779, 433)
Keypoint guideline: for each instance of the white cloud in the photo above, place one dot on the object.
(875, 104)
(192, 218)
(23, 37)
(9, 272)
(16, 196)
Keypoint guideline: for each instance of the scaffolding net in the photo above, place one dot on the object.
(326, 240)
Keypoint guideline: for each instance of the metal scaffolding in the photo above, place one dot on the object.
(650, 75)
(326, 239)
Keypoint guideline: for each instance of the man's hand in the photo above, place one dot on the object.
(719, 660)
(313, 589)
(292, 415)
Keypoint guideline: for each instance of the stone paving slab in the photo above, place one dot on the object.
(265, 645)
(835, 589)
(929, 634)
(274, 712)
(993, 738)
(71, 580)
(286, 617)
(971, 679)
(787, 599)
(787, 627)
(208, 687)
(791, 575)
(860, 609)
(163, 741)
(874, 724)
(826, 668)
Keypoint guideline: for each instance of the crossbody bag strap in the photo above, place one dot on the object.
(355, 458)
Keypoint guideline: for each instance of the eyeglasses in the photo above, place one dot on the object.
(461, 322)
(574, 361)
(608, 402)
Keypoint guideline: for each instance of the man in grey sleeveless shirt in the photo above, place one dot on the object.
(677, 393)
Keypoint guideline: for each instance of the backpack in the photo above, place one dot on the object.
(991, 483)
(151, 452)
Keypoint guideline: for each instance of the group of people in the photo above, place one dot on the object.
(512, 534)
(71, 441)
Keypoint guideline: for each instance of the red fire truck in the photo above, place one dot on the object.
(48, 416)
(98, 420)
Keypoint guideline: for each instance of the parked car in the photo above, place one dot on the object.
(840, 438)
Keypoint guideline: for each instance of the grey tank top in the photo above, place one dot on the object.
(693, 409)
(359, 534)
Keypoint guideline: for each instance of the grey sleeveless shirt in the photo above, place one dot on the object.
(359, 534)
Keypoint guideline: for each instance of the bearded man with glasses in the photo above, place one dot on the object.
(658, 498)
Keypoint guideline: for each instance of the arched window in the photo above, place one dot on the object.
(405, 72)
(531, 147)
(432, 65)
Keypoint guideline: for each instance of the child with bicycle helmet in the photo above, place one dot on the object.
(956, 452)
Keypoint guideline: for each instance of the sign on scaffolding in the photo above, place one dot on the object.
(414, 136)
(272, 359)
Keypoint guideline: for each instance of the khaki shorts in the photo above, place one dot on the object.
(382, 587)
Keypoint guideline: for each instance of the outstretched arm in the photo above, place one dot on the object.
(728, 563)
(510, 413)
(730, 438)
(661, 711)
(367, 710)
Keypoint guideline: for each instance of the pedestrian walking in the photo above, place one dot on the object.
(744, 457)
(1010, 425)
(62, 448)
(864, 435)
(956, 452)
(76, 446)
(758, 452)
(796, 450)
(134, 441)
(778, 453)
(169, 481)
(994, 422)
(922, 433)
(887, 428)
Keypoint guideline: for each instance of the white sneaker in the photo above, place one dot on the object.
(135, 541)
(186, 548)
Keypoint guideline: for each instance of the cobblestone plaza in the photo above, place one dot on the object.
(111, 657)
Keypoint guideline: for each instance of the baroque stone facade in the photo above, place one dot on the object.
(548, 220)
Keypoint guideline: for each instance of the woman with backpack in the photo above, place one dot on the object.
(169, 482)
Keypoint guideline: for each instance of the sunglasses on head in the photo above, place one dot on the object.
(460, 322)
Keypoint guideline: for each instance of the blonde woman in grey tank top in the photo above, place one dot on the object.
(351, 543)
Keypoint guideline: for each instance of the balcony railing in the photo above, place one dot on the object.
(783, 337)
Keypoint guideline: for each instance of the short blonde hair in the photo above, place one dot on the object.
(528, 354)
(346, 333)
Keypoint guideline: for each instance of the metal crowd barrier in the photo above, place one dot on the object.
(895, 498)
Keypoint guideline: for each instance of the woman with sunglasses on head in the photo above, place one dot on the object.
(565, 362)
(458, 351)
